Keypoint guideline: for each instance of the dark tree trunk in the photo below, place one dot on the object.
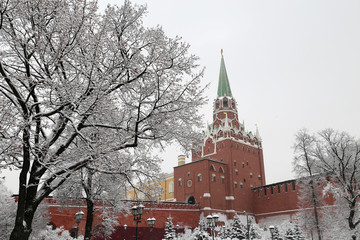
(87, 184)
(89, 219)
(315, 204)
(19, 233)
(22, 231)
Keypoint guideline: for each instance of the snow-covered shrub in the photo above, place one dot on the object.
(56, 234)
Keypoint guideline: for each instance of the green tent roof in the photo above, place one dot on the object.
(224, 86)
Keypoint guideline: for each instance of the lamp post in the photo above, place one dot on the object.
(272, 228)
(177, 230)
(125, 227)
(222, 231)
(78, 217)
(212, 223)
(247, 226)
(151, 223)
(137, 211)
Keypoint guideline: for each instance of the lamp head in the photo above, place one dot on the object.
(125, 226)
(272, 228)
(141, 209)
(209, 219)
(151, 222)
(78, 216)
(134, 210)
(216, 218)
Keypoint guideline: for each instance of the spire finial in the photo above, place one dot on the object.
(257, 134)
(224, 86)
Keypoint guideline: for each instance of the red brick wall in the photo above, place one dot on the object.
(182, 214)
(274, 203)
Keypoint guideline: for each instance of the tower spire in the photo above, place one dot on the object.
(224, 86)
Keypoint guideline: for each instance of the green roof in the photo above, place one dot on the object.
(224, 86)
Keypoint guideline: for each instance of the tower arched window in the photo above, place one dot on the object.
(199, 177)
(180, 182)
(225, 102)
(213, 178)
(235, 184)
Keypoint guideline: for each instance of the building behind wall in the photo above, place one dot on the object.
(226, 176)
(230, 163)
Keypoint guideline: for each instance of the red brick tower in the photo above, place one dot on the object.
(230, 163)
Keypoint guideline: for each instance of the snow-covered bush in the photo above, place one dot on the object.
(56, 234)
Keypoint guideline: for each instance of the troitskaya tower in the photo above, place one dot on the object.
(230, 162)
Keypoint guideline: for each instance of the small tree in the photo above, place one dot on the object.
(276, 234)
(169, 230)
(298, 235)
(236, 229)
(289, 234)
(199, 233)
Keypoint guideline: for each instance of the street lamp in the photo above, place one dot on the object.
(125, 227)
(78, 217)
(272, 228)
(177, 230)
(151, 223)
(247, 226)
(137, 211)
(212, 223)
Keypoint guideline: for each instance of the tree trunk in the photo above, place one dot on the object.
(89, 219)
(315, 209)
(87, 184)
(24, 230)
(21, 230)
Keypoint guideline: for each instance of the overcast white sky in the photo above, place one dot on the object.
(291, 64)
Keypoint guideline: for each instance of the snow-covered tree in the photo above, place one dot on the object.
(169, 230)
(305, 166)
(337, 155)
(294, 233)
(87, 87)
(235, 230)
(289, 234)
(255, 231)
(276, 233)
(298, 235)
(106, 190)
